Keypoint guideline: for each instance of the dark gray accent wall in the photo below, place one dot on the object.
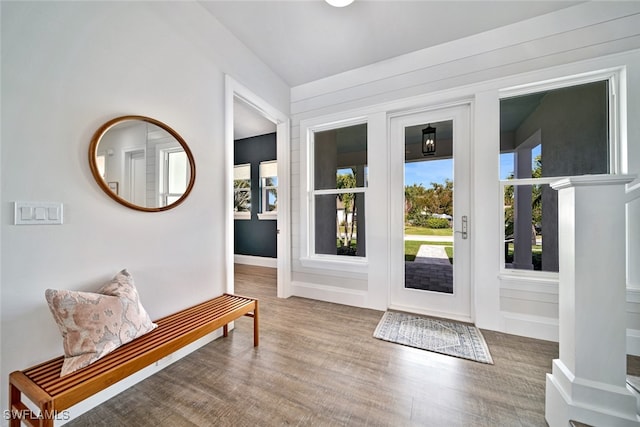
(255, 237)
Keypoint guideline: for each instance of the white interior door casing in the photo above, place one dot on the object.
(234, 89)
(457, 305)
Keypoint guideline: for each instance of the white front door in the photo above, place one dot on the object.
(429, 213)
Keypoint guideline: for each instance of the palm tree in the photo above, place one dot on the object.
(241, 197)
(348, 201)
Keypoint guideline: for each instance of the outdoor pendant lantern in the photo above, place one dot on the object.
(429, 141)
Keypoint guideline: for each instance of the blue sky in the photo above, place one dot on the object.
(438, 170)
(427, 172)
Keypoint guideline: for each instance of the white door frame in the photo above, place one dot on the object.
(235, 89)
(459, 304)
(130, 181)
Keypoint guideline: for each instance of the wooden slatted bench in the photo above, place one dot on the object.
(53, 394)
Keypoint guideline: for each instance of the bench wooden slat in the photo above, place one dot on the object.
(43, 385)
(168, 328)
(149, 350)
(164, 333)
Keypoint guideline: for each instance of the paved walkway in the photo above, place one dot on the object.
(431, 270)
(432, 254)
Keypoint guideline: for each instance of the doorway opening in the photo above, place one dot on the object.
(259, 192)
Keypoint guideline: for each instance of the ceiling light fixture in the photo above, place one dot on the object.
(339, 3)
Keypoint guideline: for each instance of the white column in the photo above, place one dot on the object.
(588, 381)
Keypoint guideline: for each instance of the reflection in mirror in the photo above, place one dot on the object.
(142, 163)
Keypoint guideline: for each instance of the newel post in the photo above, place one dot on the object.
(588, 380)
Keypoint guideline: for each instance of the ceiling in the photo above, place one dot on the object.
(247, 122)
(306, 40)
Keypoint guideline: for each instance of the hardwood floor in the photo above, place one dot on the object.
(318, 364)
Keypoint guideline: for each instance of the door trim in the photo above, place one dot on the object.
(235, 89)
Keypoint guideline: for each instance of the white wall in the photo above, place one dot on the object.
(580, 39)
(68, 67)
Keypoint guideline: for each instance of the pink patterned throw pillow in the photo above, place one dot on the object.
(95, 324)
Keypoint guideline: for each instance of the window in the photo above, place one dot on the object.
(545, 136)
(338, 174)
(242, 191)
(176, 175)
(268, 189)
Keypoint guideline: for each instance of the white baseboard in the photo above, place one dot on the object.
(633, 342)
(259, 261)
(332, 294)
(539, 327)
(545, 328)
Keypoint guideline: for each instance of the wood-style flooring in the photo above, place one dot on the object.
(319, 365)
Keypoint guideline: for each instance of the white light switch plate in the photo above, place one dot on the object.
(31, 213)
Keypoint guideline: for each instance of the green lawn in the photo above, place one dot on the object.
(423, 231)
(411, 248)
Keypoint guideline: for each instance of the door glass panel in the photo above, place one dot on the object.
(428, 210)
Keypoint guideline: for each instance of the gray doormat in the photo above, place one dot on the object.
(437, 335)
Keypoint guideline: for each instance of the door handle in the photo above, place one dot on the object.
(465, 227)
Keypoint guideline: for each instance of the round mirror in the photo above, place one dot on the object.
(142, 163)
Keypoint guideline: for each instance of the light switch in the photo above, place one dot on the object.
(41, 213)
(53, 213)
(26, 213)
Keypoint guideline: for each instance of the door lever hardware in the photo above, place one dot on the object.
(465, 225)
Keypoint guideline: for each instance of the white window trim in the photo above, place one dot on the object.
(617, 149)
(268, 216)
(308, 257)
(244, 216)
